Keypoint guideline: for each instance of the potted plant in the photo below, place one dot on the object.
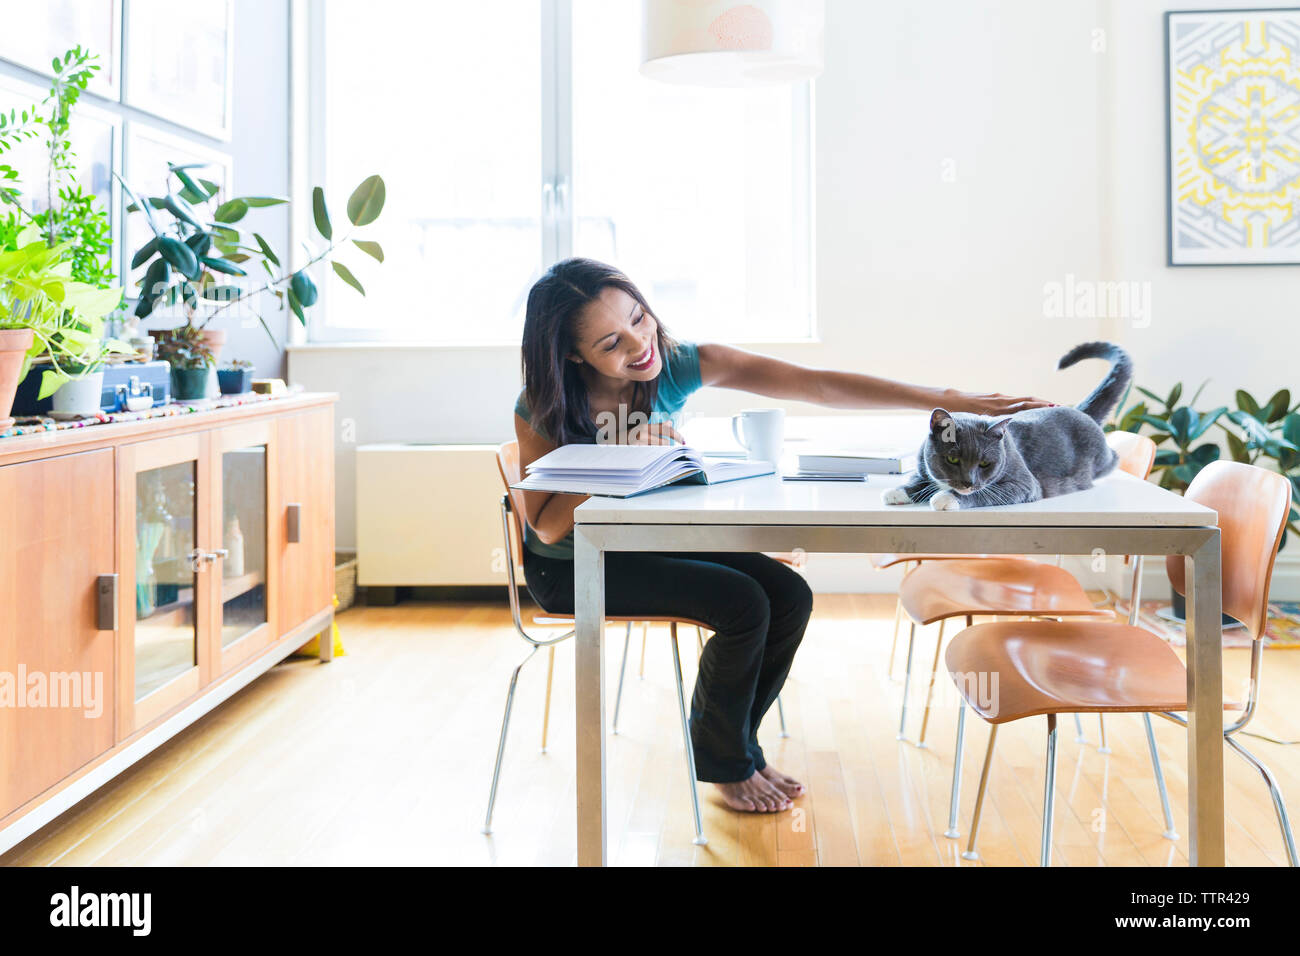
(45, 312)
(190, 356)
(82, 393)
(199, 252)
(60, 209)
(75, 228)
(1267, 435)
(236, 377)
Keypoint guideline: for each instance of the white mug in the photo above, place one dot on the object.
(761, 432)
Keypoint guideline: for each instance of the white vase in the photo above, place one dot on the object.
(80, 396)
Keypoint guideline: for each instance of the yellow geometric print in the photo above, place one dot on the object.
(1235, 136)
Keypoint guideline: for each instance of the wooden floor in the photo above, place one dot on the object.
(384, 757)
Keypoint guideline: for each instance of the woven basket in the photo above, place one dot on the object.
(345, 579)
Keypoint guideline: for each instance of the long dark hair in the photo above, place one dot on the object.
(553, 386)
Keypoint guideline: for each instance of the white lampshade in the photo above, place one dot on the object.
(721, 43)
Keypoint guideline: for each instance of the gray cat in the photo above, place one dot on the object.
(972, 461)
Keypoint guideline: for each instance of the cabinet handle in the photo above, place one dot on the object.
(293, 524)
(106, 602)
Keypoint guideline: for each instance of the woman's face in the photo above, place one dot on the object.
(618, 338)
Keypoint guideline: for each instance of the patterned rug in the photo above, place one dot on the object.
(1283, 629)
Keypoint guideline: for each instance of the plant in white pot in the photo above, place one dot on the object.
(45, 312)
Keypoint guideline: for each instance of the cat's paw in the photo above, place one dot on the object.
(945, 501)
(895, 496)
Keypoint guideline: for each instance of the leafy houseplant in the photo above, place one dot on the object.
(68, 215)
(1179, 424)
(44, 311)
(1267, 435)
(236, 377)
(190, 356)
(198, 252)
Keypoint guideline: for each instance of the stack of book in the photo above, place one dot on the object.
(851, 465)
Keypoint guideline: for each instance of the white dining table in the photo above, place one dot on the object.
(1120, 515)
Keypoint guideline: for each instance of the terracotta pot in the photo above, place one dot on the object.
(14, 344)
(216, 339)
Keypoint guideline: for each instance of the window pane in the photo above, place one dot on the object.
(700, 195)
(443, 100)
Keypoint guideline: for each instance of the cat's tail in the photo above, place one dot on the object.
(1099, 405)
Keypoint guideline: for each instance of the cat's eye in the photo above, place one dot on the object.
(986, 464)
(953, 460)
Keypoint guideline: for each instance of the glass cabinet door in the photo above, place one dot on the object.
(165, 601)
(244, 468)
(166, 570)
(243, 541)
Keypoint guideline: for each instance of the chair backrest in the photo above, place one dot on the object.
(1252, 503)
(508, 464)
(1137, 453)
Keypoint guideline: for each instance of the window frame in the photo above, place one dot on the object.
(555, 182)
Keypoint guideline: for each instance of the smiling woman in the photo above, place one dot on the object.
(594, 351)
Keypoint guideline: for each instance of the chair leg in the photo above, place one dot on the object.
(780, 712)
(546, 709)
(622, 672)
(1279, 805)
(954, 801)
(1171, 833)
(930, 690)
(645, 629)
(686, 739)
(1102, 747)
(1049, 794)
(898, 620)
(501, 744)
(971, 853)
(907, 681)
(1079, 738)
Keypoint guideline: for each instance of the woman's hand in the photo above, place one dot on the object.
(658, 433)
(994, 403)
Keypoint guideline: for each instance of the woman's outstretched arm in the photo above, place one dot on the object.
(729, 367)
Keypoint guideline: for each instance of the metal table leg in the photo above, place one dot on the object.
(589, 691)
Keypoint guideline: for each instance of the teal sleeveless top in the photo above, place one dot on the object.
(679, 377)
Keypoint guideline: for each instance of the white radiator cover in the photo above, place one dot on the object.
(429, 515)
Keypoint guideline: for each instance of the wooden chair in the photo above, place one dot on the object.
(512, 511)
(1002, 587)
(1050, 668)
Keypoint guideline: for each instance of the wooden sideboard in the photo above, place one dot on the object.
(148, 571)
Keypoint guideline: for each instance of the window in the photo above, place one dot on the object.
(702, 196)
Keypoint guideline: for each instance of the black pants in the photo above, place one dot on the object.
(758, 608)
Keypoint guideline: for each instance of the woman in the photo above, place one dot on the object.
(595, 353)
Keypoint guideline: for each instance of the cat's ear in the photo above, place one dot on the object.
(940, 419)
(996, 428)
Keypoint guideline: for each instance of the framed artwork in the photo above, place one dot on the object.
(148, 151)
(178, 62)
(35, 33)
(1233, 125)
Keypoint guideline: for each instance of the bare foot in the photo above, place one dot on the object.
(788, 785)
(755, 795)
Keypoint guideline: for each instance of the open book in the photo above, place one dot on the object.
(620, 471)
